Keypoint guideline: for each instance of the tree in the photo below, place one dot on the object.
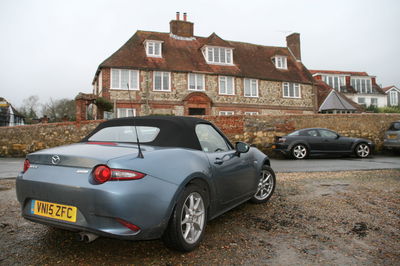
(57, 110)
(30, 108)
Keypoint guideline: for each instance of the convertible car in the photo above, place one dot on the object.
(316, 141)
(143, 178)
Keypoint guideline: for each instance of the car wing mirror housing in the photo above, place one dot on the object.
(242, 147)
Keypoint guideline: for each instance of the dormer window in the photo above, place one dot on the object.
(218, 55)
(153, 48)
(280, 62)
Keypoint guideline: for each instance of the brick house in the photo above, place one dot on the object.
(393, 95)
(357, 86)
(182, 74)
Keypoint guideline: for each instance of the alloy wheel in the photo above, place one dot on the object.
(265, 185)
(192, 218)
(299, 152)
(362, 150)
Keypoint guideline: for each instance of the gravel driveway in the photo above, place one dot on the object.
(314, 218)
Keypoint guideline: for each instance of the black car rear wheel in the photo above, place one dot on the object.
(362, 150)
(299, 151)
(188, 222)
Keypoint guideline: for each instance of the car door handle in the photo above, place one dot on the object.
(218, 161)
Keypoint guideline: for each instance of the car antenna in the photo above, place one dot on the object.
(140, 153)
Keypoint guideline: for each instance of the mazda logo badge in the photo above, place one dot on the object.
(55, 159)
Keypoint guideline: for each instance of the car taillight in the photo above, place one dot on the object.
(27, 164)
(117, 174)
(103, 173)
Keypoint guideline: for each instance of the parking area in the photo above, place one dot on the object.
(323, 164)
(10, 167)
(315, 218)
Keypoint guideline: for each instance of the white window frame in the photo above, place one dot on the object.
(162, 81)
(226, 112)
(151, 50)
(214, 50)
(280, 62)
(123, 86)
(374, 104)
(224, 91)
(296, 86)
(357, 84)
(125, 112)
(251, 113)
(393, 98)
(247, 91)
(330, 80)
(197, 82)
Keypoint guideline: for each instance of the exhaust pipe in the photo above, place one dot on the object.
(87, 237)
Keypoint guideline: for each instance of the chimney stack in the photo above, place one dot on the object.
(181, 28)
(293, 43)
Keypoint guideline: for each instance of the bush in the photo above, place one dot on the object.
(103, 104)
(387, 109)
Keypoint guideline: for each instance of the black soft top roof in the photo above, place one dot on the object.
(175, 131)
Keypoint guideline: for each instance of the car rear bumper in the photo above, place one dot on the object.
(282, 148)
(391, 144)
(146, 203)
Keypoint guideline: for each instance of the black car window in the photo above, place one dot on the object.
(210, 140)
(395, 126)
(327, 134)
(296, 133)
(312, 133)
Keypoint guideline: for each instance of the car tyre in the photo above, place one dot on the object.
(188, 220)
(362, 150)
(266, 185)
(299, 151)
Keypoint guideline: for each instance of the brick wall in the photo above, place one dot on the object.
(258, 130)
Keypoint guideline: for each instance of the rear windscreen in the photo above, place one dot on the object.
(126, 134)
(395, 126)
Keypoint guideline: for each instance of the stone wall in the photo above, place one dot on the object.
(258, 130)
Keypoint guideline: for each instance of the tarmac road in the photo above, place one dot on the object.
(10, 167)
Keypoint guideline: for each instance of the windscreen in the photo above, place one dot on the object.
(296, 133)
(126, 134)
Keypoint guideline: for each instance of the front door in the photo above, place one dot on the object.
(234, 176)
(197, 111)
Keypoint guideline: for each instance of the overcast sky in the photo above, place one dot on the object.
(52, 48)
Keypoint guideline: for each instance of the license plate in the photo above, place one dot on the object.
(392, 136)
(54, 210)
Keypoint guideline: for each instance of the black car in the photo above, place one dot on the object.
(317, 141)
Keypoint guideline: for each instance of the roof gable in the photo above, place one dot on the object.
(330, 99)
(390, 88)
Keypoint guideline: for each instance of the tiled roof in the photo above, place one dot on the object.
(340, 101)
(388, 88)
(250, 60)
(336, 72)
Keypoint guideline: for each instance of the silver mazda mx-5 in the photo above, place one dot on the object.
(143, 178)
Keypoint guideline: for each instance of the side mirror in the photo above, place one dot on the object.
(242, 147)
(337, 136)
